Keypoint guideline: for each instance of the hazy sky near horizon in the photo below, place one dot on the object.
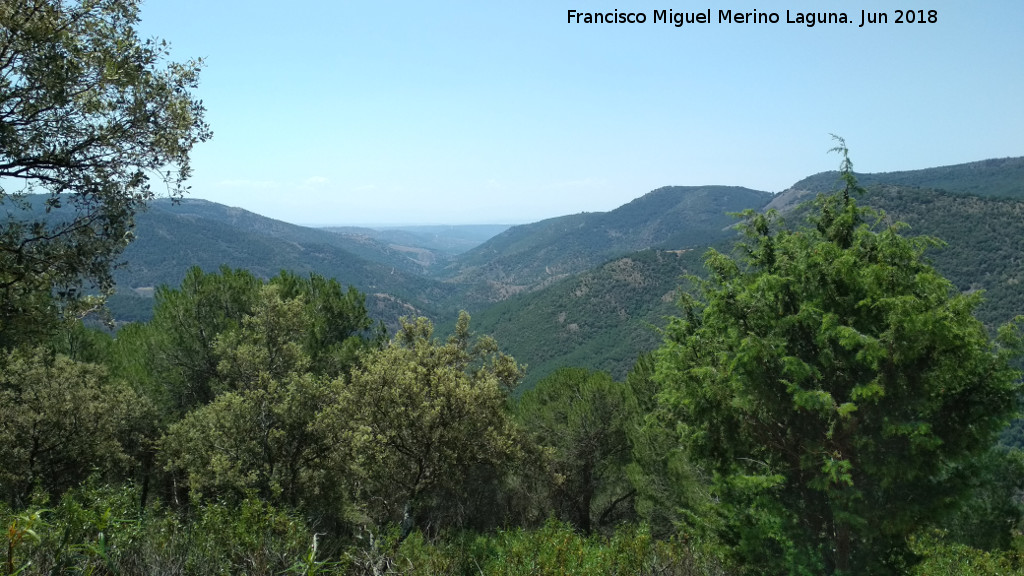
(388, 112)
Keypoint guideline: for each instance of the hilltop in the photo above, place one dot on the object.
(529, 257)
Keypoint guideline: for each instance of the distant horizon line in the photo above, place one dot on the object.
(378, 225)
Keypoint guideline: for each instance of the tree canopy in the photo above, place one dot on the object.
(581, 419)
(836, 386)
(430, 425)
(90, 117)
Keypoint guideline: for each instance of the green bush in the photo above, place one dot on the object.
(101, 530)
(942, 558)
(554, 549)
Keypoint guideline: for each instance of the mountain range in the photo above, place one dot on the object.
(588, 289)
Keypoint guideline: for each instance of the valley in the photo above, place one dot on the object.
(588, 289)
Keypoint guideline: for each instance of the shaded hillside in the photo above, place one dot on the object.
(602, 318)
(984, 242)
(531, 256)
(365, 246)
(999, 177)
(605, 317)
(168, 242)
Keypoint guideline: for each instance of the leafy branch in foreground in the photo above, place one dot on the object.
(90, 115)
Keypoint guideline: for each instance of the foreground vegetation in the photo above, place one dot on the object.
(101, 531)
(825, 403)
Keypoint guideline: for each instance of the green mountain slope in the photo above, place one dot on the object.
(601, 319)
(998, 177)
(367, 247)
(590, 289)
(531, 256)
(984, 241)
(170, 239)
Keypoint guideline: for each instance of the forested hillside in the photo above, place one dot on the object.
(982, 246)
(528, 257)
(601, 319)
(400, 278)
(982, 235)
(983, 241)
(998, 177)
(361, 245)
(171, 238)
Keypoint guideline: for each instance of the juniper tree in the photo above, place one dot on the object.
(835, 385)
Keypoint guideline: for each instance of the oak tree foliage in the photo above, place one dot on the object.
(60, 421)
(430, 425)
(265, 431)
(94, 122)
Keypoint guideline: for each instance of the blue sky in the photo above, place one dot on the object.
(335, 112)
